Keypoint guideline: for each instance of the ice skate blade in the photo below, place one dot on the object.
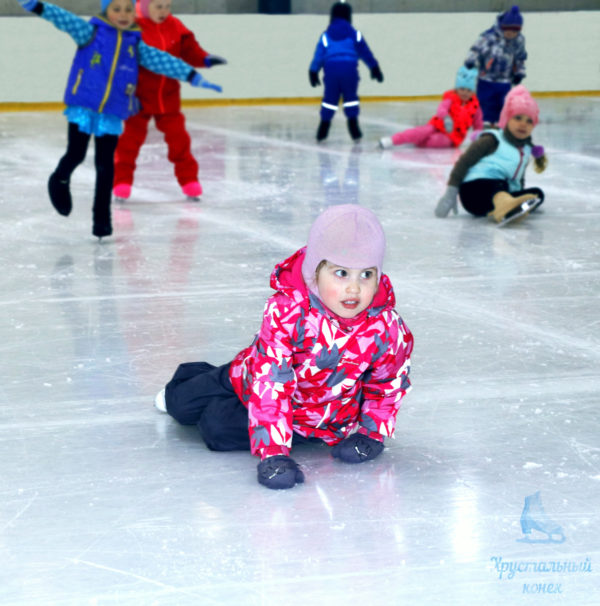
(120, 200)
(525, 208)
(193, 198)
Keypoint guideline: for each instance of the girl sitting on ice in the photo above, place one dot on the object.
(330, 362)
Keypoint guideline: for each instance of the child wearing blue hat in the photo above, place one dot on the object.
(100, 93)
(500, 55)
(458, 111)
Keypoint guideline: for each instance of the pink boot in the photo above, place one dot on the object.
(192, 190)
(122, 191)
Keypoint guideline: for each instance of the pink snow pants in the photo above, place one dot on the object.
(422, 136)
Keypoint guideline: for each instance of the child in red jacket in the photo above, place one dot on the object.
(458, 111)
(160, 99)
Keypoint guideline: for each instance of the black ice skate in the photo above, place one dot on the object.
(354, 129)
(60, 195)
(323, 130)
(102, 225)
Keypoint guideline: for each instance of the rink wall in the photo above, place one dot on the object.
(269, 55)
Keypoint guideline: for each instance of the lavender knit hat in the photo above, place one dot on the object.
(348, 235)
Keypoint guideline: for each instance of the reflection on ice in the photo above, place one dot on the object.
(107, 501)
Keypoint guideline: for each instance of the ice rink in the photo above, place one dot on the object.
(106, 501)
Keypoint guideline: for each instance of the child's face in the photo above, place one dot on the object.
(121, 13)
(510, 34)
(520, 126)
(464, 94)
(346, 292)
(159, 10)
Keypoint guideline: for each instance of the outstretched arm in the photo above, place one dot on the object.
(79, 29)
(163, 63)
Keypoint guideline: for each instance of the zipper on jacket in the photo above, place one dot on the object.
(130, 92)
(77, 82)
(519, 165)
(111, 76)
(163, 79)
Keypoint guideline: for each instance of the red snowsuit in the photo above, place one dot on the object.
(434, 134)
(463, 114)
(160, 99)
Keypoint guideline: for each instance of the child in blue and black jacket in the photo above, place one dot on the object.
(338, 51)
(100, 93)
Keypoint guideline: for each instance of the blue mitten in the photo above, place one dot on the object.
(357, 448)
(28, 5)
(279, 472)
(198, 80)
(212, 60)
(448, 124)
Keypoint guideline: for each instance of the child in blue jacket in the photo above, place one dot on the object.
(338, 51)
(489, 178)
(100, 94)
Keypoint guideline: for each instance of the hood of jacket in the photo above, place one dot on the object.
(339, 29)
(287, 279)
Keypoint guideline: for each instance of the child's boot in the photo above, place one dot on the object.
(323, 130)
(60, 194)
(354, 129)
(160, 401)
(386, 143)
(504, 203)
(122, 191)
(192, 190)
(102, 225)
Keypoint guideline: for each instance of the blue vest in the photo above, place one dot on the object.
(507, 163)
(104, 74)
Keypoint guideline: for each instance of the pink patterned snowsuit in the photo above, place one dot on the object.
(313, 373)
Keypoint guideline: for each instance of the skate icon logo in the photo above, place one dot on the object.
(536, 525)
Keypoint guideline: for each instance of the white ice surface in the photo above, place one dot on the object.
(106, 501)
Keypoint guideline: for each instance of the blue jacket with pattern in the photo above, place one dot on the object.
(105, 69)
(498, 59)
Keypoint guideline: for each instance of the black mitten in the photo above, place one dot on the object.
(469, 64)
(517, 79)
(357, 448)
(376, 74)
(279, 472)
(314, 78)
(212, 60)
